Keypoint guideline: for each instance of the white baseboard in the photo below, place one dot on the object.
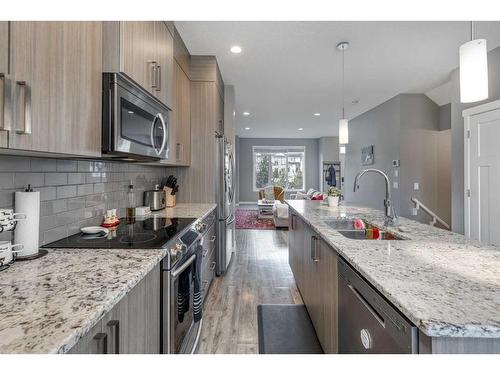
(255, 202)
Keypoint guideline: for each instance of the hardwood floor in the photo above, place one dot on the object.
(258, 273)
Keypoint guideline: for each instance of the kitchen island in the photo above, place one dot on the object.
(49, 304)
(447, 286)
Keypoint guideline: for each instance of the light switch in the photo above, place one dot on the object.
(416, 186)
(414, 211)
(395, 185)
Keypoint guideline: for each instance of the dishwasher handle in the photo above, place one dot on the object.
(368, 306)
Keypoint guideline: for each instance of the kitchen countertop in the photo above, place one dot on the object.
(446, 285)
(47, 304)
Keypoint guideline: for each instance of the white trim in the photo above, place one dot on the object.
(254, 202)
(486, 107)
(467, 114)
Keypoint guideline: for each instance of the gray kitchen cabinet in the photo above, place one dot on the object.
(144, 50)
(314, 266)
(4, 84)
(181, 118)
(56, 87)
(94, 342)
(132, 326)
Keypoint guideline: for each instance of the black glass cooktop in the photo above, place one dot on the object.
(151, 233)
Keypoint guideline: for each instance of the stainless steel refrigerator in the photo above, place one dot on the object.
(225, 204)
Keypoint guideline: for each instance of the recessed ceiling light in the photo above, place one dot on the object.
(247, 128)
(246, 113)
(317, 114)
(301, 128)
(236, 49)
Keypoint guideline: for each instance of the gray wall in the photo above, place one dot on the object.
(445, 117)
(246, 193)
(457, 130)
(380, 127)
(73, 193)
(404, 128)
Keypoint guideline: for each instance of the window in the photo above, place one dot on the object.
(280, 166)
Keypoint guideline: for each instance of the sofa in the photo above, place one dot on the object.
(280, 209)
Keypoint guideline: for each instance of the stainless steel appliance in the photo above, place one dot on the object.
(225, 203)
(155, 199)
(135, 125)
(367, 322)
(182, 238)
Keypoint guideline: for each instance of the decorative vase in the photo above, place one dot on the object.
(333, 201)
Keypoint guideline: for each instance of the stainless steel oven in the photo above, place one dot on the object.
(135, 124)
(181, 329)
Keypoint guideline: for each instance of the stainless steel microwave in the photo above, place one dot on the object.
(135, 124)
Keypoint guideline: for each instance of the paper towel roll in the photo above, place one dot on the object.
(27, 231)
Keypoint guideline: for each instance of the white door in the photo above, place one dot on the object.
(483, 171)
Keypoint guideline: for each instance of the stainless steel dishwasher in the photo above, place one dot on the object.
(367, 322)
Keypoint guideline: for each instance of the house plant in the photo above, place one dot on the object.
(333, 196)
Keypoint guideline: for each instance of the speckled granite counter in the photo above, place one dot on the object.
(47, 304)
(446, 285)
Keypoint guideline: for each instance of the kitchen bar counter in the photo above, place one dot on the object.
(446, 285)
(47, 304)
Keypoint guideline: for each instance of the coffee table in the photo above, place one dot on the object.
(265, 209)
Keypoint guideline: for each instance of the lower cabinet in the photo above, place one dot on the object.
(314, 266)
(132, 326)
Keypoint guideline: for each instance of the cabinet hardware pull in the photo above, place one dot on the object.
(101, 342)
(152, 66)
(2, 101)
(314, 249)
(158, 77)
(22, 110)
(212, 239)
(115, 335)
(292, 221)
(212, 266)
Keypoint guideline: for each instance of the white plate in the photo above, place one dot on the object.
(95, 230)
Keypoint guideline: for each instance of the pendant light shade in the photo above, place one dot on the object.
(473, 70)
(343, 131)
(343, 122)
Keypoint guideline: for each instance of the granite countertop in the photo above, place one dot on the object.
(446, 285)
(47, 304)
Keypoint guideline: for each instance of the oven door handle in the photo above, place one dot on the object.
(182, 268)
(159, 116)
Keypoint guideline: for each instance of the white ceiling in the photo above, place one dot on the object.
(290, 70)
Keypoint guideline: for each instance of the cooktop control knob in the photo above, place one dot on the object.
(200, 227)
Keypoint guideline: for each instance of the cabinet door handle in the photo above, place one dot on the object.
(22, 108)
(212, 266)
(2, 101)
(101, 340)
(158, 77)
(114, 325)
(314, 249)
(292, 221)
(152, 67)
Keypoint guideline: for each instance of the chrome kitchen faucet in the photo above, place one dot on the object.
(390, 215)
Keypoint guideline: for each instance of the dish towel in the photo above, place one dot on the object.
(183, 294)
(197, 297)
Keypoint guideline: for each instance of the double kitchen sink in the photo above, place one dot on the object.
(349, 228)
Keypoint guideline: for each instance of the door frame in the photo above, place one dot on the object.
(467, 114)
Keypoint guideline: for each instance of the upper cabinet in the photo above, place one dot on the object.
(55, 87)
(4, 76)
(144, 51)
(181, 119)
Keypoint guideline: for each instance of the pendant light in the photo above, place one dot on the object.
(343, 122)
(473, 69)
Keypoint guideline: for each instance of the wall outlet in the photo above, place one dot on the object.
(395, 163)
(416, 186)
(395, 185)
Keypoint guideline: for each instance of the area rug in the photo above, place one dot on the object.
(248, 219)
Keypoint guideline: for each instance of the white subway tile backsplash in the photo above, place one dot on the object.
(73, 193)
